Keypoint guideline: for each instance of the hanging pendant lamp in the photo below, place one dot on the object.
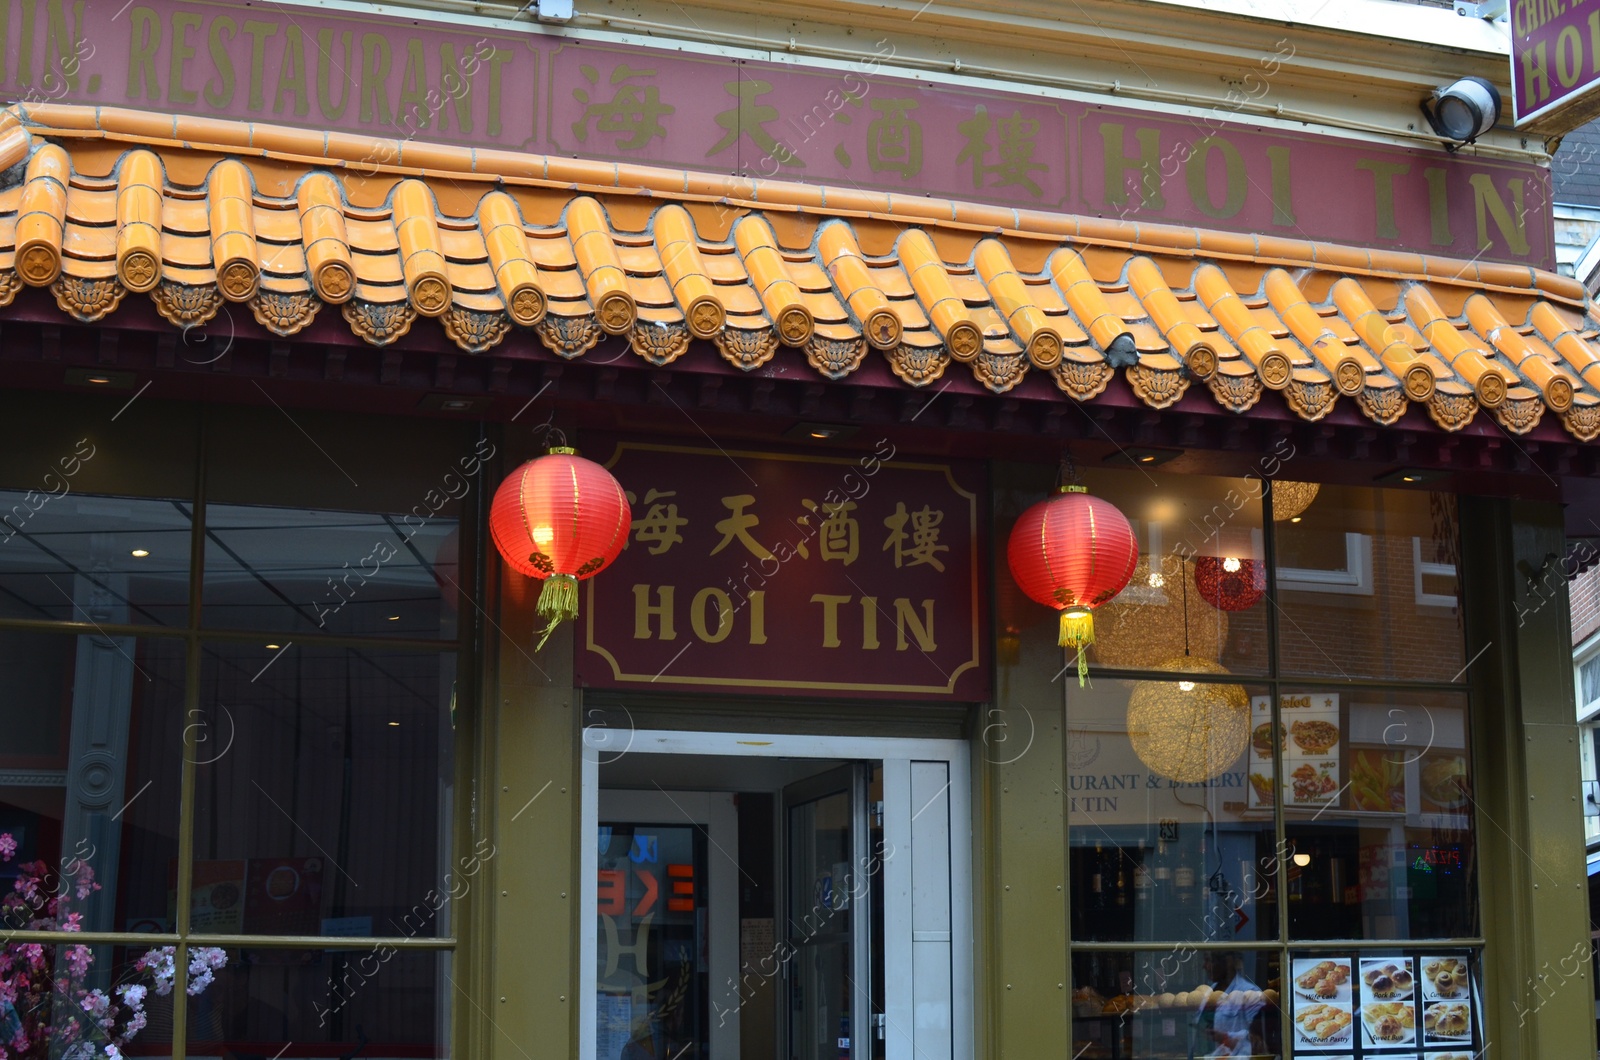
(1073, 552)
(561, 519)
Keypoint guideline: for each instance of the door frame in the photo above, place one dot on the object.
(897, 757)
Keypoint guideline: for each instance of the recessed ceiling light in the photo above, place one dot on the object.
(1411, 476)
(394, 725)
(394, 618)
(1296, 518)
(99, 380)
(272, 647)
(821, 432)
(1142, 457)
(139, 553)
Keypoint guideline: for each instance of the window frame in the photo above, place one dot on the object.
(195, 636)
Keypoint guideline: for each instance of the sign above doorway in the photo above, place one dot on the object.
(771, 572)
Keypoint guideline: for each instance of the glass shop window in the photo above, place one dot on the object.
(1380, 567)
(1171, 818)
(323, 797)
(73, 557)
(1197, 599)
(318, 571)
(90, 759)
(1176, 1003)
(378, 1000)
(1378, 815)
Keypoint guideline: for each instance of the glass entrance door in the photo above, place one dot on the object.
(666, 925)
(827, 913)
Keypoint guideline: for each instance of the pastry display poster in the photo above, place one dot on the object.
(1311, 742)
(1416, 1006)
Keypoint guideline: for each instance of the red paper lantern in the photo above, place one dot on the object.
(559, 518)
(1073, 552)
(1228, 583)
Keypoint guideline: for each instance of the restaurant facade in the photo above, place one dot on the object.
(835, 295)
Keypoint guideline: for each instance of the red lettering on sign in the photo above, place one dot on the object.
(612, 892)
(651, 888)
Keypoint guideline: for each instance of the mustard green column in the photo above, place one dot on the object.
(532, 735)
(1019, 753)
(1529, 819)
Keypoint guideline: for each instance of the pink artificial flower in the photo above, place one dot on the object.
(8, 846)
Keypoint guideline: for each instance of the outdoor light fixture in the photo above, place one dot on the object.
(1464, 111)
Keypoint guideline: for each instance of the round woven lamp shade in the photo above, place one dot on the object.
(1229, 583)
(1144, 626)
(1290, 499)
(1188, 731)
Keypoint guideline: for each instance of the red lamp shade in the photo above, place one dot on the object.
(1073, 552)
(559, 518)
(1230, 584)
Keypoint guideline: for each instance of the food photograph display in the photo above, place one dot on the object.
(1310, 740)
(1416, 1006)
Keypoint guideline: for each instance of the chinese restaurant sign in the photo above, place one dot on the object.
(855, 127)
(1555, 63)
(843, 576)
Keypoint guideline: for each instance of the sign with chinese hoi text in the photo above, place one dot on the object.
(1555, 64)
(816, 575)
(851, 125)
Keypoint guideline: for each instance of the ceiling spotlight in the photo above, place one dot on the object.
(811, 431)
(1464, 111)
(1142, 457)
(1296, 519)
(396, 618)
(394, 725)
(139, 553)
(1410, 476)
(272, 647)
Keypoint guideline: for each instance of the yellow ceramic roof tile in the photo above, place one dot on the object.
(811, 267)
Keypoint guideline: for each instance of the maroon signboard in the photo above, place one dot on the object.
(771, 573)
(1555, 63)
(850, 125)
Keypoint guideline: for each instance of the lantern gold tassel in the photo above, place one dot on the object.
(1077, 631)
(558, 603)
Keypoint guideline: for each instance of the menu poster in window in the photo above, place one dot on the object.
(1312, 747)
(1323, 1017)
(1261, 749)
(1406, 1007)
(216, 903)
(1442, 780)
(284, 896)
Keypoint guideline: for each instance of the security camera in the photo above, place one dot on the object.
(1464, 111)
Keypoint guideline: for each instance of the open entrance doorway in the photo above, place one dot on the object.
(770, 897)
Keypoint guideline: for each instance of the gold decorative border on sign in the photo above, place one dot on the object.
(842, 686)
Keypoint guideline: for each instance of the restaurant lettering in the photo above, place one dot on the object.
(747, 121)
(830, 574)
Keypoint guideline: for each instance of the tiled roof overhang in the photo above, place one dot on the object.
(197, 212)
